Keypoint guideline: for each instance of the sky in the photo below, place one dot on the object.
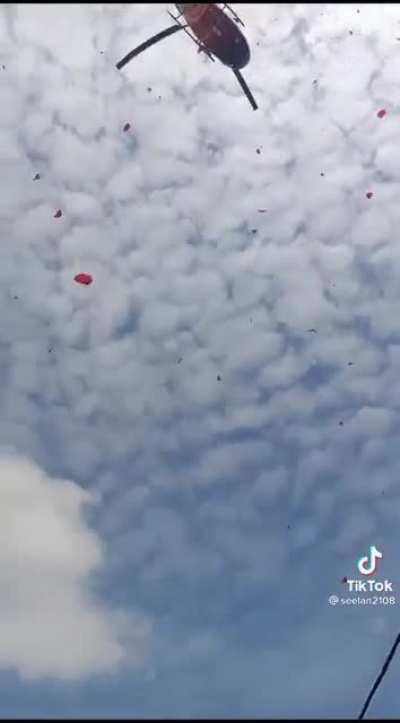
(197, 447)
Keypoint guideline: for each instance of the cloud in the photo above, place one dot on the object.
(240, 464)
(52, 623)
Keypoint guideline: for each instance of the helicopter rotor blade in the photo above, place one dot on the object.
(148, 43)
(245, 88)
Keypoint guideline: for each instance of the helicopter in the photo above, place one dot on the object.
(213, 31)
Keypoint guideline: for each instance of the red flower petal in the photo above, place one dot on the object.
(83, 279)
(381, 113)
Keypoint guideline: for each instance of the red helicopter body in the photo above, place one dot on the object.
(217, 32)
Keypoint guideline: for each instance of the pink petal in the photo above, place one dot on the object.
(83, 279)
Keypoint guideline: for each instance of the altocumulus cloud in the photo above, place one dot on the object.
(51, 623)
(241, 463)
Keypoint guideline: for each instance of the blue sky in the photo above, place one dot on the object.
(187, 471)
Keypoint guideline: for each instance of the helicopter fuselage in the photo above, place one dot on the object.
(217, 32)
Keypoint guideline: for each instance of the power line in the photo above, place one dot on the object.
(379, 678)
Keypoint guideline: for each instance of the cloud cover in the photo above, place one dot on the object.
(240, 464)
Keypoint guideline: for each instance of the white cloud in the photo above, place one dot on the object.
(212, 490)
(52, 624)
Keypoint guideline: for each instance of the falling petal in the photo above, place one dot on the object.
(58, 214)
(83, 279)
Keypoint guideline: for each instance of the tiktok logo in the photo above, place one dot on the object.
(368, 565)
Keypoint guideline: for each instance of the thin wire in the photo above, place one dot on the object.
(380, 676)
